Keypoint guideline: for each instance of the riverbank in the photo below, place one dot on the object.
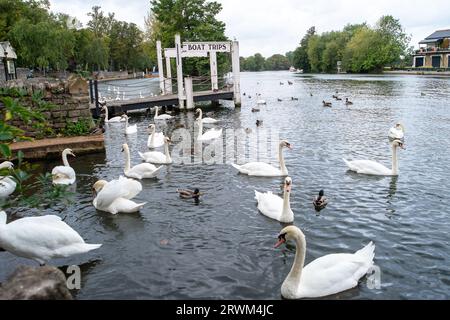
(418, 73)
(51, 148)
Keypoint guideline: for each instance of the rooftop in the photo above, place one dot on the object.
(437, 35)
(6, 46)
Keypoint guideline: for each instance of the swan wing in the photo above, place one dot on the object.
(395, 133)
(116, 119)
(153, 157)
(336, 272)
(7, 186)
(158, 140)
(63, 175)
(368, 167)
(115, 189)
(143, 170)
(258, 169)
(124, 206)
(269, 204)
(209, 120)
(210, 135)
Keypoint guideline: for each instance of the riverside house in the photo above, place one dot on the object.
(434, 51)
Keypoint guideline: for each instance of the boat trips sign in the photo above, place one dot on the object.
(206, 46)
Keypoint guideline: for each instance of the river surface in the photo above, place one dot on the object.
(222, 248)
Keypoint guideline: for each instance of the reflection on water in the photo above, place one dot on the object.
(223, 247)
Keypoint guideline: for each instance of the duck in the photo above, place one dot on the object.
(249, 96)
(139, 171)
(326, 104)
(162, 116)
(324, 276)
(275, 207)
(211, 134)
(115, 196)
(64, 175)
(41, 238)
(155, 139)
(279, 100)
(338, 99)
(113, 119)
(255, 109)
(348, 102)
(248, 130)
(129, 129)
(243, 94)
(263, 169)
(290, 83)
(259, 123)
(261, 101)
(7, 183)
(294, 99)
(205, 120)
(158, 157)
(189, 194)
(310, 94)
(320, 201)
(370, 167)
(281, 83)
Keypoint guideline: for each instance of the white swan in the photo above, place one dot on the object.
(64, 174)
(139, 171)
(263, 169)
(115, 196)
(396, 132)
(155, 139)
(273, 206)
(261, 102)
(375, 168)
(129, 129)
(41, 238)
(207, 119)
(326, 275)
(7, 183)
(113, 119)
(156, 156)
(210, 134)
(162, 116)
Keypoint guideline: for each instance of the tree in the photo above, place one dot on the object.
(300, 56)
(100, 24)
(194, 20)
(277, 62)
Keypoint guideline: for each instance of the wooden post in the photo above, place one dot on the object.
(91, 91)
(189, 93)
(160, 66)
(97, 108)
(169, 76)
(236, 73)
(181, 96)
(213, 66)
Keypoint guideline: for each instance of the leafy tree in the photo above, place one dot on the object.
(300, 56)
(277, 62)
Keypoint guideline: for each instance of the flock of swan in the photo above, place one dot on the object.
(47, 237)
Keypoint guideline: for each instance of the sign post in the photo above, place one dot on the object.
(213, 66)
(179, 71)
(160, 66)
(236, 73)
(169, 76)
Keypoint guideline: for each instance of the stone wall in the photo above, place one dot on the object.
(70, 99)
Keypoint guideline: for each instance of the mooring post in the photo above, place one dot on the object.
(189, 93)
(178, 48)
(169, 76)
(236, 73)
(91, 91)
(160, 67)
(213, 67)
(97, 108)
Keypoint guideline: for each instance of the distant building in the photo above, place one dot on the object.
(434, 51)
(8, 59)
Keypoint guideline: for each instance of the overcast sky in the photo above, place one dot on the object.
(276, 26)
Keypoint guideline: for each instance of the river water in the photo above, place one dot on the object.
(222, 248)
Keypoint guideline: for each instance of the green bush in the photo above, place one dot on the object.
(80, 128)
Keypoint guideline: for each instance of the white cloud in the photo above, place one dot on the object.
(270, 26)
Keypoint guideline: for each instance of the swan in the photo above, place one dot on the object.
(263, 169)
(162, 116)
(348, 102)
(7, 183)
(397, 132)
(326, 275)
(41, 238)
(208, 135)
(129, 129)
(64, 174)
(375, 168)
(139, 171)
(113, 119)
(320, 201)
(115, 196)
(326, 104)
(205, 120)
(155, 139)
(273, 206)
(158, 157)
(261, 101)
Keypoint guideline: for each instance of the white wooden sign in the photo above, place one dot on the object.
(223, 46)
(172, 53)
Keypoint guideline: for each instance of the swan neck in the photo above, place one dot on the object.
(127, 159)
(166, 151)
(200, 128)
(286, 213)
(106, 114)
(294, 276)
(156, 112)
(394, 160)
(200, 114)
(64, 158)
(281, 160)
(152, 135)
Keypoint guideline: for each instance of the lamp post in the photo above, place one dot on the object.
(5, 61)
